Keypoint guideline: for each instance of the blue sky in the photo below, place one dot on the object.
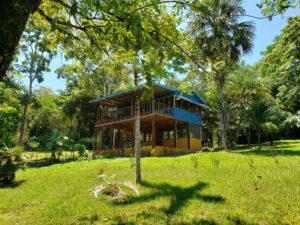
(265, 33)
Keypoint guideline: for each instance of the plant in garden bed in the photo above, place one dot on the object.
(114, 191)
(10, 162)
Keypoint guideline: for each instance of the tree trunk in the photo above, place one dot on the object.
(23, 125)
(24, 117)
(223, 114)
(137, 138)
(249, 137)
(258, 137)
(238, 131)
(13, 18)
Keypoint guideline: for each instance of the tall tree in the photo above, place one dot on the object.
(45, 115)
(244, 84)
(36, 60)
(280, 65)
(258, 113)
(218, 41)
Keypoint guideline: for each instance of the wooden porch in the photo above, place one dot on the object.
(161, 134)
(111, 114)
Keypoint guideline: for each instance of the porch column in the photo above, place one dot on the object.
(153, 101)
(111, 136)
(96, 139)
(175, 134)
(119, 137)
(153, 132)
(133, 135)
(132, 108)
(99, 138)
(188, 136)
(200, 130)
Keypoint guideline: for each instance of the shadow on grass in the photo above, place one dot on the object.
(13, 185)
(47, 162)
(200, 222)
(275, 152)
(179, 195)
(238, 221)
(122, 220)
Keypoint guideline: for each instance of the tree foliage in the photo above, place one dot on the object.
(272, 8)
(281, 65)
(10, 109)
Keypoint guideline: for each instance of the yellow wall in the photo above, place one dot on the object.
(167, 149)
(195, 143)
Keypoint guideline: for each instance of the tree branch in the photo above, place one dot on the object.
(181, 49)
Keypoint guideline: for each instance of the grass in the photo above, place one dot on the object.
(246, 187)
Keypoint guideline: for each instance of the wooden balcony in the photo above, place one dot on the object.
(128, 112)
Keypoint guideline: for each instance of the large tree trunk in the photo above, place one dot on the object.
(137, 135)
(13, 18)
(223, 114)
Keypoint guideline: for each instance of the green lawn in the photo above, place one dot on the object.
(245, 188)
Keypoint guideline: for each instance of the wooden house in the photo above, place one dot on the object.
(170, 122)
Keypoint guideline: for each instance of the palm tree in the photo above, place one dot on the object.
(258, 113)
(219, 39)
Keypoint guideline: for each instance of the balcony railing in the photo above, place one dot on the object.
(129, 112)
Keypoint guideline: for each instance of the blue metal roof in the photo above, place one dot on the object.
(193, 98)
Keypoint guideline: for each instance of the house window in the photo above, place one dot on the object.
(147, 137)
(165, 135)
(194, 131)
(171, 134)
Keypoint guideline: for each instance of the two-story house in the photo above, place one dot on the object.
(170, 121)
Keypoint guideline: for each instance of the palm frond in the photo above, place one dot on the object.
(114, 189)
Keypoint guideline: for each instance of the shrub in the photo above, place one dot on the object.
(10, 161)
(87, 142)
(81, 149)
(33, 145)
